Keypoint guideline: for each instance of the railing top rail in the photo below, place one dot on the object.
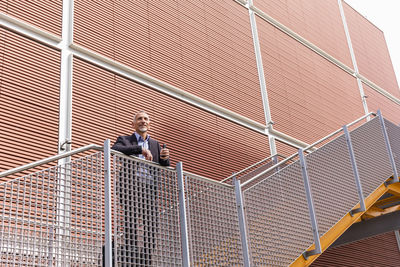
(50, 159)
(120, 154)
(338, 131)
(305, 149)
(251, 166)
(199, 177)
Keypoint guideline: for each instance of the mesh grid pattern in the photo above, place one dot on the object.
(371, 155)
(54, 216)
(332, 182)
(214, 235)
(278, 222)
(146, 219)
(393, 132)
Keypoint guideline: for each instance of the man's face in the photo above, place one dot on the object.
(142, 123)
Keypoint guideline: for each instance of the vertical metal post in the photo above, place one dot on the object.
(397, 234)
(355, 172)
(242, 222)
(107, 205)
(311, 209)
(182, 216)
(261, 77)
(275, 161)
(389, 149)
(353, 59)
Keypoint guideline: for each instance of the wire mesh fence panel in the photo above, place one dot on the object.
(371, 155)
(394, 139)
(332, 182)
(214, 237)
(53, 217)
(146, 214)
(278, 222)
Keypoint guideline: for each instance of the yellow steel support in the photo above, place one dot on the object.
(394, 189)
(341, 226)
(387, 201)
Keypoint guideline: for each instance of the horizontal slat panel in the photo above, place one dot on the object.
(317, 21)
(381, 250)
(309, 97)
(375, 101)
(204, 47)
(29, 100)
(44, 14)
(371, 51)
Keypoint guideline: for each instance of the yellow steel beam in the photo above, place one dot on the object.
(387, 201)
(341, 226)
(372, 212)
(394, 189)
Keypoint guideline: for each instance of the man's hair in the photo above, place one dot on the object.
(140, 111)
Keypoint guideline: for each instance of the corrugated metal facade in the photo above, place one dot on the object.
(29, 92)
(373, 63)
(317, 21)
(304, 89)
(207, 51)
(205, 48)
(381, 250)
(377, 101)
(43, 14)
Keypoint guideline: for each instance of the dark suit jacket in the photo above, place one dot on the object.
(128, 145)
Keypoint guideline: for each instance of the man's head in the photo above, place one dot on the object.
(141, 122)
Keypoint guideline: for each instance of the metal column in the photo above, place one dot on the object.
(389, 149)
(242, 222)
(107, 204)
(355, 172)
(311, 209)
(182, 216)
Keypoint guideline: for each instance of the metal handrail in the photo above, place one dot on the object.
(50, 159)
(100, 148)
(199, 177)
(309, 147)
(251, 166)
(70, 153)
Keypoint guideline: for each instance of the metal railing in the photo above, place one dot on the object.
(311, 147)
(252, 170)
(135, 212)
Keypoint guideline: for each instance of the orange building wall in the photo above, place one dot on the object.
(29, 90)
(371, 52)
(46, 15)
(381, 250)
(207, 51)
(375, 101)
(317, 21)
(309, 97)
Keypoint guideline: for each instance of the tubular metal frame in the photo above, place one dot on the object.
(311, 208)
(355, 171)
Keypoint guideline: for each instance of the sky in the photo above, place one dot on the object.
(385, 14)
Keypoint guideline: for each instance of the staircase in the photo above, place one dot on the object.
(278, 212)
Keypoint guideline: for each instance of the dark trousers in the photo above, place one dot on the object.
(138, 202)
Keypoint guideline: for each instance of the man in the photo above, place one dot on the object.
(140, 144)
(137, 188)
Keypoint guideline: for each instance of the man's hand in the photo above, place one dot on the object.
(147, 154)
(164, 153)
